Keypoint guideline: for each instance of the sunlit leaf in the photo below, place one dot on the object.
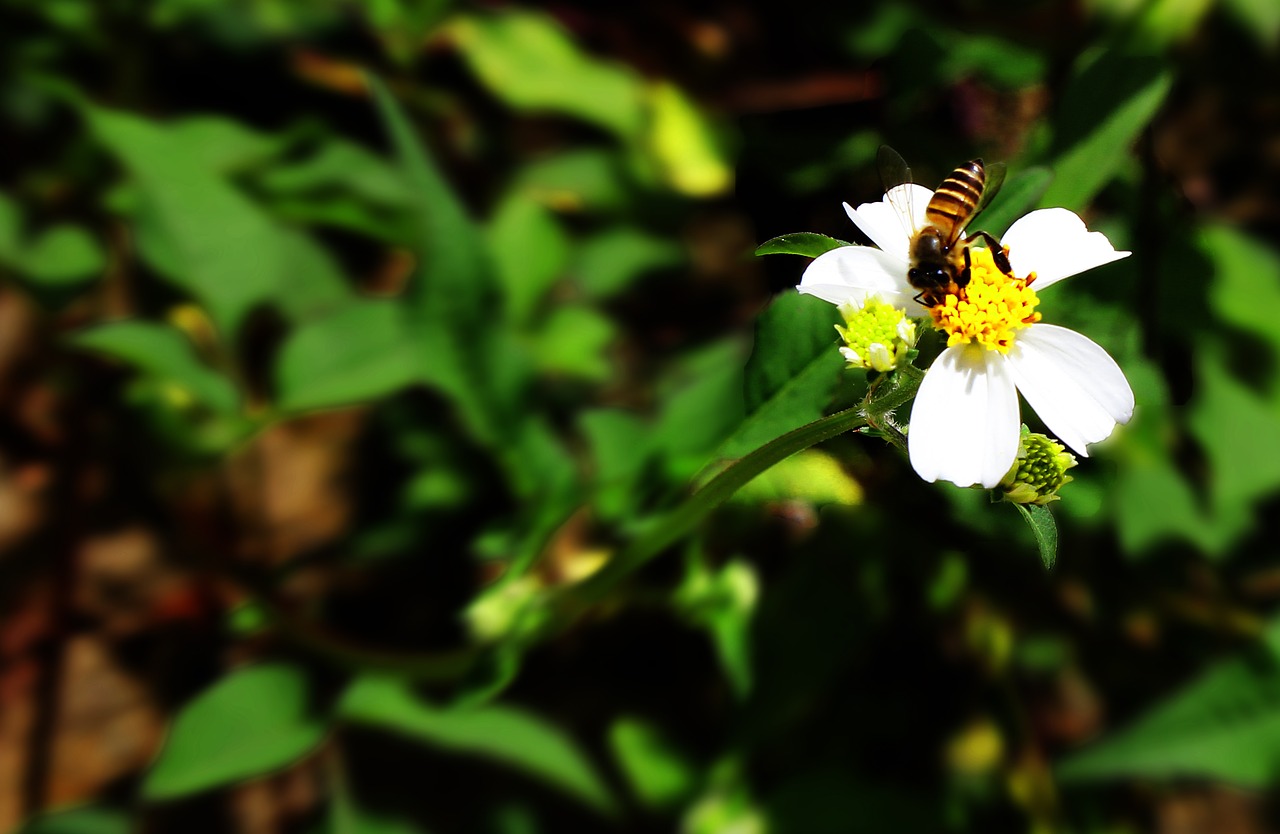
(529, 61)
(362, 351)
(811, 476)
(1225, 725)
(502, 734)
(165, 353)
(254, 721)
(689, 151)
(1104, 108)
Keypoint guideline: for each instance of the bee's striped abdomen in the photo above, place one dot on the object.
(957, 198)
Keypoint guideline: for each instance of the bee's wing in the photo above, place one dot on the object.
(995, 179)
(894, 172)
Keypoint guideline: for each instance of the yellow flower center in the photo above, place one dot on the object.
(990, 309)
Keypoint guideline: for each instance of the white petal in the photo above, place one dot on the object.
(964, 423)
(1077, 389)
(852, 273)
(893, 221)
(1055, 244)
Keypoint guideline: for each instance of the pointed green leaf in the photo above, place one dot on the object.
(454, 300)
(1104, 108)
(1225, 725)
(254, 721)
(792, 373)
(1045, 530)
(61, 256)
(526, 59)
(362, 351)
(213, 240)
(809, 244)
(659, 776)
(166, 354)
(503, 734)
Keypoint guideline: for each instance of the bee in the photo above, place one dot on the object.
(939, 251)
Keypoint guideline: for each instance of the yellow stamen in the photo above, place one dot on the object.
(990, 309)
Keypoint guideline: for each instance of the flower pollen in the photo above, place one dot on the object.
(876, 335)
(989, 309)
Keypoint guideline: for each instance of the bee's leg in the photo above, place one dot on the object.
(919, 299)
(997, 251)
(962, 280)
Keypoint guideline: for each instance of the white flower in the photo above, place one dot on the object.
(964, 422)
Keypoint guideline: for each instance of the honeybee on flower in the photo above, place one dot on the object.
(965, 424)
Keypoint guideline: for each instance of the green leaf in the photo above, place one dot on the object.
(455, 296)
(1018, 196)
(686, 145)
(62, 255)
(1045, 530)
(810, 476)
(1245, 290)
(341, 166)
(528, 61)
(530, 251)
(792, 373)
(165, 353)
(210, 238)
(1260, 18)
(1225, 725)
(809, 244)
(723, 602)
(502, 734)
(658, 775)
(254, 721)
(88, 819)
(587, 179)
(1104, 108)
(620, 446)
(573, 341)
(224, 146)
(361, 352)
(612, 260)
(700, 405)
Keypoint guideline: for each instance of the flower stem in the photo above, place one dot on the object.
(683, 519)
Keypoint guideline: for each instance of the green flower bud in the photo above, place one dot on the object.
(876, 335)
(1039, 472)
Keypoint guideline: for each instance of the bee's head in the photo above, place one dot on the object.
(928, 276)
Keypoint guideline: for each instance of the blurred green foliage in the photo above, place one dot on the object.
(513, 246)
